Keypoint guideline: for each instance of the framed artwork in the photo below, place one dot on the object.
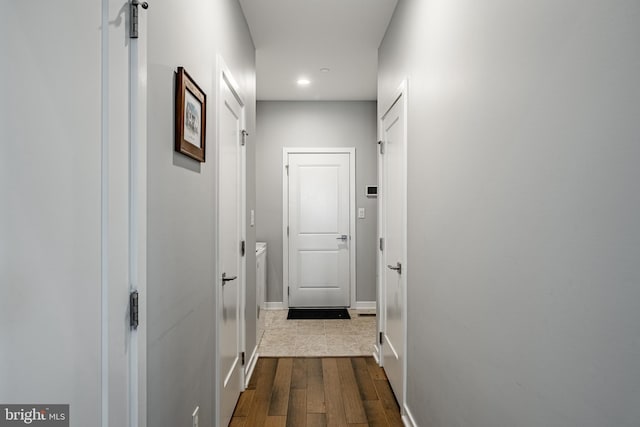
(191, 106)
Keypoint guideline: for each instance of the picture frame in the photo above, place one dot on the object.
(191, 113)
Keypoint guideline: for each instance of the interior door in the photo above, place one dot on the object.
(394, 216)
(319, 229)
(72, 181)
(229, 229)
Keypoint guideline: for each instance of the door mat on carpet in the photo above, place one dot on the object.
(318, 313)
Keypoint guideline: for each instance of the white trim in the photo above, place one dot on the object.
(401, 92)
(364, 305)
(376, 354)
(250, 366)
(352, 215)
(104, 219)
(224, 74)
(274, 305)
(138, 223)
(407, 418)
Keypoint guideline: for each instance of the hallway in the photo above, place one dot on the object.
(317, 392)
(144, 152)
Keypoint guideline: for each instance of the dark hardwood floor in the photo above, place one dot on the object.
(317, 392)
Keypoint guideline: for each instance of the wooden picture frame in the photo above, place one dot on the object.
(191, 113)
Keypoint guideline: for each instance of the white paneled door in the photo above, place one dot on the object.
(393, 231)
(320, 234)
(230, 231)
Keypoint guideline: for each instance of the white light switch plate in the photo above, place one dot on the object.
(360, 213)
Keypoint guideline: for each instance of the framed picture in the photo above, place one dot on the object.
(191, 112)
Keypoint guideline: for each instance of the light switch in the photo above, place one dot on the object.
(361, 213)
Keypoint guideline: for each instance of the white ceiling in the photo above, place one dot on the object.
(296, 38)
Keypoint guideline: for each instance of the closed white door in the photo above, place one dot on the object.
(229, 229)
(394, 277)
(319, 229)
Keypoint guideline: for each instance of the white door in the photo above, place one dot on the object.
(320, 234)
(72, 185)
(394, 216)
(230, 235)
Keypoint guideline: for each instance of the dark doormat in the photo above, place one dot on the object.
(318, 313)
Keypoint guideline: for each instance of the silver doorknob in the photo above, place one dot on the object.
(343, 237)
(398, 267)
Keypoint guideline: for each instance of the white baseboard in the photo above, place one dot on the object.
(359, 305)
(251, 365)
(275, 305)
(376, 354)
(407, 418)
(364, 305)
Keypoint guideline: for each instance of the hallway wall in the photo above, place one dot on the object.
(523, 209)
(181, 206)
(315, 124)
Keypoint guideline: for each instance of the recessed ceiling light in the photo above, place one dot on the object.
(303, 82)
(325, 69)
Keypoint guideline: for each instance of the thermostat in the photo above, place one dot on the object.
(371, 191)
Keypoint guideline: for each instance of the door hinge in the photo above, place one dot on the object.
(380, 338)
(287, 168)
(133, 17)
(244, 137)
(288, 291)
(242, 358)
(287, 231)
(381, 244)
(381, 144)
(134, 310)
(242, 248)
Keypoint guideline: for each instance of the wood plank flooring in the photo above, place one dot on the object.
(317, 392)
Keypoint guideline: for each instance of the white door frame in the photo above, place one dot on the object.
(224, 74)
(138, 220)
(400, 95)
(352, 215)
(134, 226)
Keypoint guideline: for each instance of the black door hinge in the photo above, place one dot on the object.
(381, 338)
(242, 358)
(381, 144)
(133, 17)
(381, 244)
(133, 310)
(242, 248)
(244, 137)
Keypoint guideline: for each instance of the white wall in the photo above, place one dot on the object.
(315, 124)
(64, 211)
(524, 242)
(181, 282)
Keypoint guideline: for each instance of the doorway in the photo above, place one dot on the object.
(393, 237)
(319, 242)
(231, 243)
